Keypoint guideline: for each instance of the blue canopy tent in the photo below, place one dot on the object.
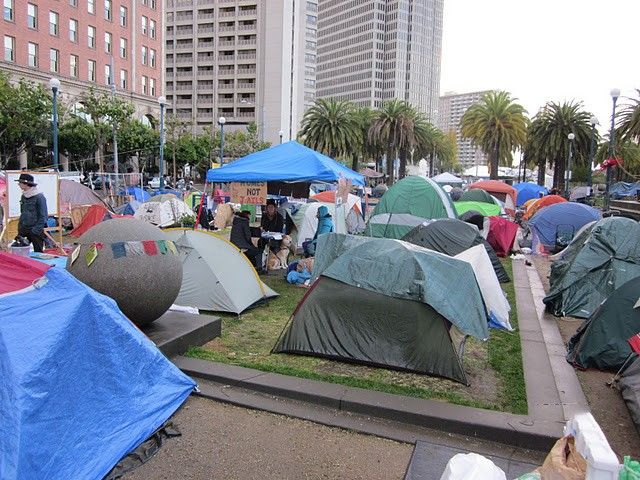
(137, 193)
(561, 220)
(81, 385)
(527, 191)
(288, 162)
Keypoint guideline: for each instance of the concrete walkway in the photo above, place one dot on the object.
(553, 391)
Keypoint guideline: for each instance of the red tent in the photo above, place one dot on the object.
(95, 215)
(502, 234)
(503, 192)
(18, 272)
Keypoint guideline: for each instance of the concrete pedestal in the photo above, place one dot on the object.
(174, 332)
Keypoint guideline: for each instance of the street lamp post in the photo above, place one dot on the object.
(162, 101)
(280, 133)
(571, 137)
(54, 83)
(222, 121)
(592, 151)
(615, 93)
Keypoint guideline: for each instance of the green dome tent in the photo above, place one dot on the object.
(477, 195)
(486, 209)
(407, 204)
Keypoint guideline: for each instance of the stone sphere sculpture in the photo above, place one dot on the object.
(134, 266)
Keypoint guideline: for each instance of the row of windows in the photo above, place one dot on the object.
(345, 17)
(32, 13)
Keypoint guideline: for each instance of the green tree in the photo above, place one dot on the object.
(548, 142)
(136, 139)
(25, 116)
(449, 162)
(363, 118)
(329, 126)
(626, 150)
(629, 120)
(497, 125)
(77, 140)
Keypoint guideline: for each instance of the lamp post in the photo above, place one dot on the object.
(54, 83)
(280, 134)
(615, 93)
(592, 151)
(222, 121)
(571, 137)
(162, 101)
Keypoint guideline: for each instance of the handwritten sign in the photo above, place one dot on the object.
(250, 193)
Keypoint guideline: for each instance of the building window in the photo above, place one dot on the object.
(32, 50)
(107, 42)
(152, 28)
(309, 57)
(73, 66)
(54, 60)
(53, 23)
(8, 10)
(73, 30)
(91, 36)
(123, 16)
(153, 4)
(73, 3)
(143, 57)
(107, 10)
(123, 48)
(312, 19)
(144, 25)
(123, 79)
(9, 49)
(32, 15)
(144, 85)
(152, 87)
(152, 57)
(107, 74)
(91, 6)
(91, 70)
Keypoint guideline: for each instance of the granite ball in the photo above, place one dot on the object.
(144, 286)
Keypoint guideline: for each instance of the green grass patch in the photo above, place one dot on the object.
(496, 376)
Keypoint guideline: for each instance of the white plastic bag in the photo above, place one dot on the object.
(471, 466)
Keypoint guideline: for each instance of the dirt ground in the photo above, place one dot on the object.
(223, 441)
(606, 403)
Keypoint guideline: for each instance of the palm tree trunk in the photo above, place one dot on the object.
(494, 163)
(390, 160)
(354, 162)
(542, 170)
(431, 164)
(403, 164)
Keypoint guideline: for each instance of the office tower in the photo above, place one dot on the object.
(244, 60)
(451, 109)
(372, 51)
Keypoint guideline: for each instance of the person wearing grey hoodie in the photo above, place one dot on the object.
(33, 212)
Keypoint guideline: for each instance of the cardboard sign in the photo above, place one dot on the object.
(249, 193)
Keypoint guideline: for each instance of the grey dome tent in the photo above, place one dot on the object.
(477, 195)
(387, 303)
(601, 341)
(586, 276)
(451, 237)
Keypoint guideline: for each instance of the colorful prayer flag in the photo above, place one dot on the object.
(150, 247)
(162, 247)
(91, 255)
(118, 250)
(133, 248)
(75, 254)
(172, 247)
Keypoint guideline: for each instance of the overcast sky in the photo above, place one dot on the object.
(541, 50)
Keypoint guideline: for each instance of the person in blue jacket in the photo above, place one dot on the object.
(33, 212)
(325, 225)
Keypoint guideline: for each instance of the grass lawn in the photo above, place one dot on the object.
(494, 368)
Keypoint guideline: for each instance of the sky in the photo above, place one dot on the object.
(543, 50)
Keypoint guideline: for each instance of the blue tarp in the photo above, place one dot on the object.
(138, 193)
(560, 218)
(528, 190)
(623, 189)
(81, 385)
(128, 208)
(288, 162)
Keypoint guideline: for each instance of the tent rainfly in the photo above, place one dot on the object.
(505, 193)
(558, 223)
(163, 210)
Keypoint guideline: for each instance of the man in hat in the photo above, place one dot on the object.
(271, 221)
(33, 212)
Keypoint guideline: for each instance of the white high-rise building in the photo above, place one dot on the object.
(245, 60)
(375, 50)
(451, 109)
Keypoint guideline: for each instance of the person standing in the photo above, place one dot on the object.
(241, 238)
(33, 212)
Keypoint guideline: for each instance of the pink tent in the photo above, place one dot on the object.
(502, 234)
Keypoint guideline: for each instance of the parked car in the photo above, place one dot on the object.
(100, 182)
(154, 182)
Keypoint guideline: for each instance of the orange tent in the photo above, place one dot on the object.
(503, 192)
(541, 203)
(329, 196)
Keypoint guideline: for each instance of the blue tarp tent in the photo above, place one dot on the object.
(81, 385)
(527, 191)
(288, 162)
(623, 189)
(137, 193)
(128, 208)
(561, 219)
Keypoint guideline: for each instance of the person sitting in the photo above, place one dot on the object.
(325, 225)
(300, 275)
(271, 221)
(241, 238)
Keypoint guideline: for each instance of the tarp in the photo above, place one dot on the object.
(216, 276)
(585, 277)
(553, 220)
(578, 193)
(623, 189)
(476, 195)
(287, 162)
(539, 204)
(494, 298)
(504, 192)
(486, 209)
(81, 385)
(527, 191)
(451, 237)
(601, 341)
(502, 234)
(401, 270)
(163, 210)
(408, 203)
(137, 193)
(96, 214)
(447, 178)
(74, 193)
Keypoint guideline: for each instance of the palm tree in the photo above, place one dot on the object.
(363, 117)
(430, 143)
(629, 120)
(625, 149)
(393, 127)
(548, 141)
(329, 127)
(498, 125)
